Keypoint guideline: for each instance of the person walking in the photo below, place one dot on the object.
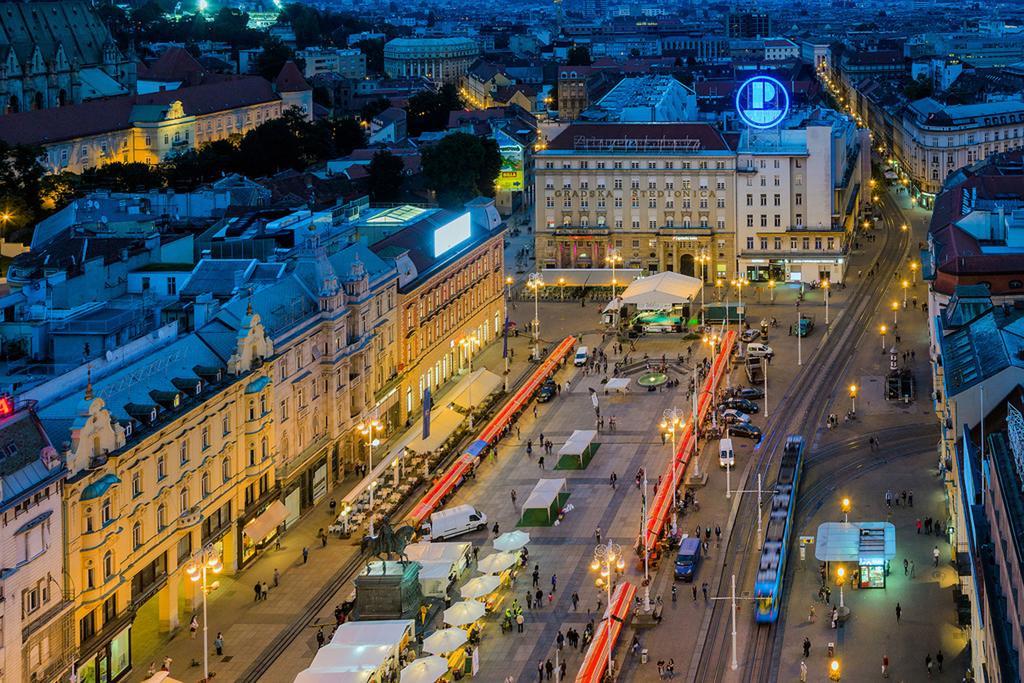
(540, 664)
(910, 498)
(704, 590)
(277, 577)
(919, 525)
(193, 627)
(885, 666)
(496, 530)
(906, 566)
(938, 660)
(597, 535)
(257, 590)
(520, 620)
(575, 601)
(807, 647)
(266, 590)
(218, 644)
(928, 664)
(540, 462)
(935, 555)
(536, 576)
(694, 587)
(554, 582)
(320, 637)
(305, 554)
(529, 600)
(512, 495)
(899, 612)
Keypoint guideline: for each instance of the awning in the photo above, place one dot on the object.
(544, 497)
(890, 174)
(593, 668)
(863, 542)
(661, 291)
(589, 277)
(265, 522)
(617, 384)
(578, 443)
(443, 423)
(474, 388)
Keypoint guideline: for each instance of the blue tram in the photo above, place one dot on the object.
(772, 569)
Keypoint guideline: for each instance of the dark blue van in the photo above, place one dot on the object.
(688, 558)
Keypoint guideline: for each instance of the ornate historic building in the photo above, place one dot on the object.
(58, 53)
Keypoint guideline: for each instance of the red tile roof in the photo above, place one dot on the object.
(175, 64)
(708, 137)
(290, 79)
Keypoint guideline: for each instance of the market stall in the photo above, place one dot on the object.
(579, 447)
(440, 564)
(360, 651)
(620, 384)
(544, 503)
(511, 541)
(425, 670)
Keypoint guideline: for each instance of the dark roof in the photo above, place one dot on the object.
(290, 79)
(115, 113)
(708, 136)
(70, 24)
(173, 65)
(390, 115)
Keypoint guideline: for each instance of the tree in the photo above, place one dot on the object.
(386, 173)
(21, 185)
(918, 89)
(348, 135)
(428, 111)
(460, 167)
(579, 55)
(374, 51)
(374, 107)
(271, 60)
(121, 177)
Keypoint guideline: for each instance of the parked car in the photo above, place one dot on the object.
(749, 393)
(804, 328)
(749, 335)
(740, 404)
(731, 415)
(746, 430)
(688, 559)
(547, 391)
(760, 350)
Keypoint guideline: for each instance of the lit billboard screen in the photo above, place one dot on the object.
(451, 235)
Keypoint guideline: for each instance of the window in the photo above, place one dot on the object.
(137, 535)
(831, 243)
(799, 219)
(172, 286)
(31, 600)
(750, 243)
(136, 484)
(225, 469)
(183, 499)
(252, 452)
(183, 452)
(161, 517)
(817, 243)
(206, 437)
(777, 199)
(206, 484)
(108, 564)
(225, 425)
(750, 220)
(105, 512)
(798, 199)
(764, 200)
(764, 244)
(161, 467)
(777, 221)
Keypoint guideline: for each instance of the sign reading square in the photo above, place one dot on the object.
(451, 235)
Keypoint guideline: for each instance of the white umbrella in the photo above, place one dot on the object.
(511, 540)
(463, 613)
(480, 586)
(444, 640)
(425, 670)
(496, 563)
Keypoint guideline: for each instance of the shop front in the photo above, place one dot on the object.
(111, 662)
(868, 545)
(763, 270)
(260, 529)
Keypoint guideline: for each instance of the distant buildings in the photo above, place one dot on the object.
(748, 24)
(639, 99)
(56, 54)
(347, 63)
(442, 60)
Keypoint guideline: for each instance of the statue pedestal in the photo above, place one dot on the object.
(388, 590)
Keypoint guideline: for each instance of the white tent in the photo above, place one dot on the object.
(617, 384)
(425, 670)
(332, 676)
(661, 291)
(383, 632)
(445, 640)
(452, 553)
(435, 578)
(480, 586)
(463, 613)
(358, 650)
(579, 443)
(474, 388)
(351, 657)
(496, 563)
(510, 541)
(542, 503)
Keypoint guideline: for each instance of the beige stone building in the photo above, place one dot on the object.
(662, 194)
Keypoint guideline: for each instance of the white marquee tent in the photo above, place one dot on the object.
(578, 444)
(660, 291)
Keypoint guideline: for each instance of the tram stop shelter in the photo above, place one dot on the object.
(577, 451)
(542, 506)
(871, 545)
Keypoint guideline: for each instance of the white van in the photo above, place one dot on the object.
(760, 350)
(455, 521)
(580, 359)
(726, 455)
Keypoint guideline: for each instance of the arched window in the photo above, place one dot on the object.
(225, 469)
(206, 484)
(264, 449)
(252, 409)
(90, 575)
(263, 404)
(161, 517)
(38, 103)
(137, 535)
(108, 564)
(183, 499)
(87, 521)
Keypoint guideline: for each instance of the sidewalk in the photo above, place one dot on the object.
(250, 626)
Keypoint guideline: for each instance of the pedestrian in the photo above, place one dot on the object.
(885, 666)
(661, 668)
(938, 660)
(333, 504)
(305, 555)
(935, 555)
(561, 671)
(496, 530)
(704, 590)
(256, 589)
(529, 600)
(554, 582)
(899, 612)
(193, 627)
(538, 598)
(540, 462)
(540, 670)
(694, 587)
(903, 495)
(277, 577)
(513, 496)
(320, 637)
(906, 566)
(560, 640)
(549, 668)
(888, 499)
(803, 672)
(928, 664)
(575, 600)
(536, 576)
(911, 569)
(551, 597)
(919, 525)
(520, 620)
(807, 646)
(218, 643)
(597, 534)
(166, 664)
(812, 616)
(670, 668)
(910, 498)
(265, 589)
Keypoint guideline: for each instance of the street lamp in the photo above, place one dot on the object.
(613, 259)
(826, 286)
(904, 227)
(703, 260)
(833, 670)
(535, 282)
(883, 329)
(367, 429)
(913, 269)
(468, 344)
(508, 287)
(561, 289)
(845, 506)
(672, 419)
(718, 288)
(853, 399)
(207, 559)
(895, 311)
(346, 510)
(738, 283)
(771, 289)
(841, 574)
(905, 284)
(607, 558)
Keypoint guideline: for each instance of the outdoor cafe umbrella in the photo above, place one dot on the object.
(444, 640)
(512, 540)
(425, 670)
(496, 563)
(463, 613)
(480, 586)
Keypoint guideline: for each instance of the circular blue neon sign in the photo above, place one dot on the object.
(762, 102)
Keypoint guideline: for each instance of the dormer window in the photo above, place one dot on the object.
(128, 430)
(152, 415)
(199, 387)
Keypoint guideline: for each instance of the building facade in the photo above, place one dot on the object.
(441, 60)
(663, 195)
(38, 634)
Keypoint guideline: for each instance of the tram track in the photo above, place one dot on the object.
(810, 395)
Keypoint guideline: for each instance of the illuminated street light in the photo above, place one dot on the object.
(833, 670)
(845, 506)
(905, 284)
(561, 288)
(536, 282)
(367, 429)
(771, 289)
(840, 576)
(826, 286)
(883, 329)
(613, 259)
(607, 558)
(207, 559)
(853, 399)
(913, 269)
(895, 310)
